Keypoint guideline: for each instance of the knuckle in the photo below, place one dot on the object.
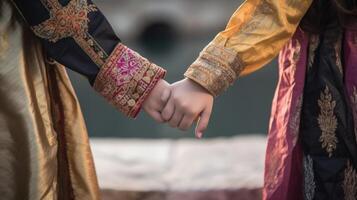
(176, 98)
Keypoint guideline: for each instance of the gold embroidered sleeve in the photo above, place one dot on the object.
(76, 34)
(126, 79)
(253, 37)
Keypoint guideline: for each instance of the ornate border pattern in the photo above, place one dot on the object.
(215, 69)
(126, 79)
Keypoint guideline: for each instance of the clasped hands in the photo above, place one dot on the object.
(180, 105)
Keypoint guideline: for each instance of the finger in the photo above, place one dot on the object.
(186, 122)
(176, 119)
(165, 97)
(156, 116)
(168, 111)
(203, 122)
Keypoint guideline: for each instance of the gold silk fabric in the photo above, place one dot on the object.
(44, 147)
(255, 34)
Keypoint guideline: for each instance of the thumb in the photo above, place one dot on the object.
(203, 123)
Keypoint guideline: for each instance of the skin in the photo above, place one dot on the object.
(180, 105)
(157, 100)
(188, 103)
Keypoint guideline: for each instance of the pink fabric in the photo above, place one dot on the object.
(283, 173)
(283, 166)
(350, 61)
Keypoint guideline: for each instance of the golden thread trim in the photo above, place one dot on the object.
(127, 79)
(215, 69)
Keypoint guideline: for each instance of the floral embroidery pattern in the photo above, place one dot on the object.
(350, 182)
(126, 80)
(327, 121)
(263, 10)
(309, 182)
(215, 69)
(68, 21)
(314, 43)
(71, 21)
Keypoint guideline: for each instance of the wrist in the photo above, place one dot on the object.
(194, 84)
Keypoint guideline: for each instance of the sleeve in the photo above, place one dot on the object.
(254, 36)
(75, 34)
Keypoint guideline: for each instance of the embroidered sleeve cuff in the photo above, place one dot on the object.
(126, 79)
(215, 69)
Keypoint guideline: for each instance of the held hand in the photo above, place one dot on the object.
(157, 100)
(188, 102)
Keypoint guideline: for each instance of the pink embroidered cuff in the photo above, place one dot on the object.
(215, 69)
(126, 79)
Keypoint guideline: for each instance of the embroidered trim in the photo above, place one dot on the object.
(313, 44)
(71, 21)
(218, 67)
(327, 121)
(127, 79)
(309, 178)
(350, 182)
(215, 69)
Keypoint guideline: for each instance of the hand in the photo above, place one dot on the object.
(188, 102)
(157, 100)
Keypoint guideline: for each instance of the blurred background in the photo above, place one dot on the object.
(142, 160)
(171, 33)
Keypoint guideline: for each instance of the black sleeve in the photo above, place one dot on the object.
(74, 32)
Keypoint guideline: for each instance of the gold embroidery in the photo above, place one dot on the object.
(314, 43)
(212, 70)
(295, 55)
(338, 54)
(327, 121)
(127, 79)
(263, 10)
(350, 182)
(216, 69)
(295, 120)
(71, 21)
(309, 182)
(68, 21)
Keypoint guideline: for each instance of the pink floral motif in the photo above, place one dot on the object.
(126, 79)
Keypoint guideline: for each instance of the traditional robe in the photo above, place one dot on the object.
(311, 152)
(44, 147)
